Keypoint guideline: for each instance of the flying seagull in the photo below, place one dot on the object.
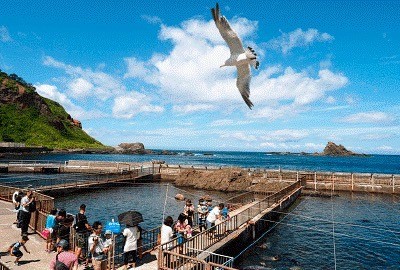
(240, 57)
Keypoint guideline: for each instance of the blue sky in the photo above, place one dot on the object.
(149, 72)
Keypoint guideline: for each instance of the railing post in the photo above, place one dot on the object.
(352, 181)
(393, 182)
(315, 181)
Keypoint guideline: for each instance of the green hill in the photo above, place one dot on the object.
(26, 117)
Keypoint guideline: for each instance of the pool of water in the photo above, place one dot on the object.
(364, 234)
(152, 200)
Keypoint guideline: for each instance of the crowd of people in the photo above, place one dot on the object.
(182, 229)
(90, 245)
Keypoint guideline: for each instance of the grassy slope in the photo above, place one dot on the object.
(28, 126)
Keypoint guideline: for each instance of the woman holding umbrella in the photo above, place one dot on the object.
(132, 235)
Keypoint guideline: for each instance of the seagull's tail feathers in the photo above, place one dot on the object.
(247, 101)
(252, 56)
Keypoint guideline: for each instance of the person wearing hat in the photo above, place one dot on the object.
(69, 259)
(108, 241)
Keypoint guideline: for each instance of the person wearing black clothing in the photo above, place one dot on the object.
(64, 230)
(82, 229)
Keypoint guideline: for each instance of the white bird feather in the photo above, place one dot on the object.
(240, 57)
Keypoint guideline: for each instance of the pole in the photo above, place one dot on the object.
(165, 202)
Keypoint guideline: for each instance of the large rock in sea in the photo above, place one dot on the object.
(132, 148)
(332, 149)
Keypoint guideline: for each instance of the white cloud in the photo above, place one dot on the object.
(191, 108)
(133, 103)
(298, 38)
(230, 122)
(330, 100)
(368, 117)
(4, 34)
(190, 74)
(285, 135)
(52, 92)
(98, 87)
(151, 19)
(80, 88)
(136, 69)
(241, 136)
(102, 85)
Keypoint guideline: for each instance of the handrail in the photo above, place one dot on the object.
(201, 241)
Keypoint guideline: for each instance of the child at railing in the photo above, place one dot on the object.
(180, 229)
(202, 210)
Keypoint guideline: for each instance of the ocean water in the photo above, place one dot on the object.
(352, 231)
(389, 164)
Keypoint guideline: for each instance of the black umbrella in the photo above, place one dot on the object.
(130, 218)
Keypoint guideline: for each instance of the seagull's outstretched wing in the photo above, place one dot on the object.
(243, 83)
(230, 36)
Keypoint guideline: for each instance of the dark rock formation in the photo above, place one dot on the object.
(332, 149)
(131, 148)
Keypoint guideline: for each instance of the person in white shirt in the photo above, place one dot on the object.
(212, 216)
(25, 214)
(166, 232)
(132, 235)
(97, 248)
(166, 236)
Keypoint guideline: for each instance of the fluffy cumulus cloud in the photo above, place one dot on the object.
(4, 34)
(97, 87)
(189, 73)
(298, 38)
(129, 105)
(368, 117)
(96, 84)
(53, 93)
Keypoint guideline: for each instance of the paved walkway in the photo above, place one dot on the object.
(37, 259)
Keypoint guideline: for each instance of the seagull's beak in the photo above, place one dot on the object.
(222, 66)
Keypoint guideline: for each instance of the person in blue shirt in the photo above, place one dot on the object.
(50, 225)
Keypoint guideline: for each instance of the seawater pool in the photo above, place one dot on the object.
(351, 231)
(152, 200)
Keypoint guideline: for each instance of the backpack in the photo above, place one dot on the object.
(60, 265)
(32, 206)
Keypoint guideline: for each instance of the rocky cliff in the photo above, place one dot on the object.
(26, 117)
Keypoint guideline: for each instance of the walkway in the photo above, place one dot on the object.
(38, 259)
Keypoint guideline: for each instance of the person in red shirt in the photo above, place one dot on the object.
(64, 256)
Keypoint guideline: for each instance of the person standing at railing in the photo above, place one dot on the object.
(50, 226)
(166, 232)
(202, 210)
(212, 217)
(166, 237)
(25, 212)
(188, 210)
(82, 229)
(180, 229)
(97, 248)
(132, 235)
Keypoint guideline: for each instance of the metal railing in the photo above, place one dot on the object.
(209, 237)
(170, 260)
